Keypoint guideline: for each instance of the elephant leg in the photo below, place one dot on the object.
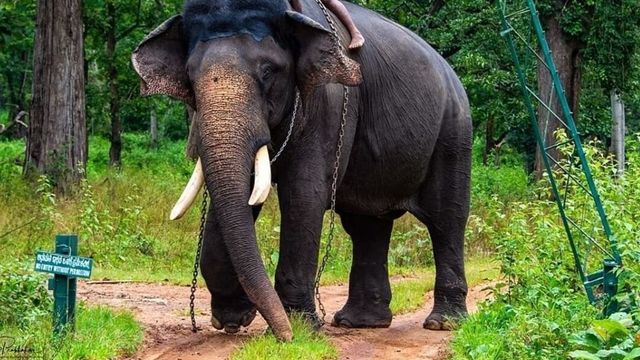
(443, 206)
(230, 305)
(301, 225)
(369, 288)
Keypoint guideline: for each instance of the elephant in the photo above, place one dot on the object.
(405, 147)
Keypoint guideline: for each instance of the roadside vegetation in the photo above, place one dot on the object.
(540, 310)
(26, 329)
(122, 217)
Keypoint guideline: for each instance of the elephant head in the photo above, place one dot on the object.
(238, 63)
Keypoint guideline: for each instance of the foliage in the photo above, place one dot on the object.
(617, 337)
(23, 296)
(121, 216)
(133, 19)
(17, 23)
(466, 32)
(540, 309)
(25, 322)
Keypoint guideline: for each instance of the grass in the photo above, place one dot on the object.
(307, 344)
(408, 294)
(101, 333)
(26, 322)
(122, 218)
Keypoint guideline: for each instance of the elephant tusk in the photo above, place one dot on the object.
(190, 192)
(262, 183)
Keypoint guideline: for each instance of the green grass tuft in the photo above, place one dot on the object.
(103, 333)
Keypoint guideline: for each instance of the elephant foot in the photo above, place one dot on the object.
(231, 320)
(443, 321)
(360, 317)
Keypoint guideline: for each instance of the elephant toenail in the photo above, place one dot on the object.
(231, 328)
(216, 323)
(432, 325)
(248, 318)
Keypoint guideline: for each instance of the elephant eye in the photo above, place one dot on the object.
(267, 72)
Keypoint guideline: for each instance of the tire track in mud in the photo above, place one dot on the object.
(163, 311)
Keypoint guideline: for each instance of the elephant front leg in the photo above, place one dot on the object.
(302, 212)
(369, 288)
(230, 305)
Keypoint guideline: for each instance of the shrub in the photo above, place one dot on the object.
(23, 295)
(539, 310)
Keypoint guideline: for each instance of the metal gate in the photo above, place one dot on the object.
(592, 243)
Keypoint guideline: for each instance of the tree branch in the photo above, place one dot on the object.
(17, 120)
(131, 28)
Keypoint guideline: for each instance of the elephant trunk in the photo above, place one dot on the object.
(231, 131)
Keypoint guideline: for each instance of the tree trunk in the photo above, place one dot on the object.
(489, 143)
(153, 129)
(114, 97)
(618, 131)
(57, 141)
(566, 55)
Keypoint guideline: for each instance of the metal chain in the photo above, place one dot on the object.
(332, 25)
(293, 119)
(334, 180)
(194, 281)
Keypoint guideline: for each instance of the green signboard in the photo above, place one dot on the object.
(72, 266)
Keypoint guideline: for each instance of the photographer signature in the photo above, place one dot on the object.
(10, 350)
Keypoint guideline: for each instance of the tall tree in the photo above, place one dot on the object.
(57, 140)
(602, 34)
(567, 55)
(115, 151)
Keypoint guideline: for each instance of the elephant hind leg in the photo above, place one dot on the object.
(443, 206)
(369, 288)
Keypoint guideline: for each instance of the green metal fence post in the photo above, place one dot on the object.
(61, 289)
(73, 245)
(610, 286)
(66, 266)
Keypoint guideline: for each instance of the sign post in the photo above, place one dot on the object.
(66, 267)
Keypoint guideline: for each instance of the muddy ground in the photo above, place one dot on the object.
(163, 310)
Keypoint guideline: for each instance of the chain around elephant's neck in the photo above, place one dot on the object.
(296, 106)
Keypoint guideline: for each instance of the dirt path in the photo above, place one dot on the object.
(163, 311)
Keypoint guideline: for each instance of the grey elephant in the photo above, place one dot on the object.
(406, 148)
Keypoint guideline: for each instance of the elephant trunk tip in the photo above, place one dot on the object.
(285, 335)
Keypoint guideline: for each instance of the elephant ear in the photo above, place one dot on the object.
(321, 61)
(160, 61)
